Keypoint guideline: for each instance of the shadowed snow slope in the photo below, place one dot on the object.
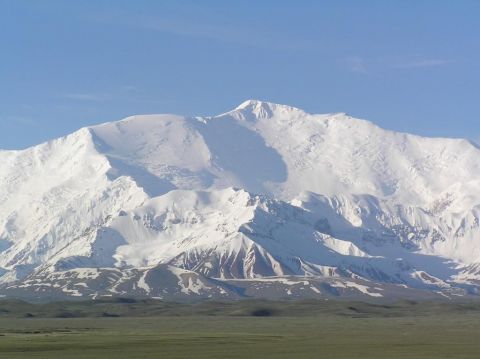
(262, 191)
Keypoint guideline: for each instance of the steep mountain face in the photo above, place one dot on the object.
(265, 200)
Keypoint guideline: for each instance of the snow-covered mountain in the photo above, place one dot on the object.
(265, 200)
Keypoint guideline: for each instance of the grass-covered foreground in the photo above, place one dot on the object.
(152, 329)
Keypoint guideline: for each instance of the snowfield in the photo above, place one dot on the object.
(251, 202)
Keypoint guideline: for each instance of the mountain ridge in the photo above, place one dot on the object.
(359, 203)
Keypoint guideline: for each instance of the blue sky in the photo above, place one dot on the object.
(407, 65)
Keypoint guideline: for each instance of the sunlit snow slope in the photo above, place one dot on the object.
(247, 203)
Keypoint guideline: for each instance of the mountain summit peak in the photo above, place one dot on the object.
(264, 109)
(252, 103)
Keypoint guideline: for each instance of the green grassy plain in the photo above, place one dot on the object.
(249, 329)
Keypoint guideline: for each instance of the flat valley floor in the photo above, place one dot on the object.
(239, 330)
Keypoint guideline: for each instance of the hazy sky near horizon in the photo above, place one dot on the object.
(407, 65)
